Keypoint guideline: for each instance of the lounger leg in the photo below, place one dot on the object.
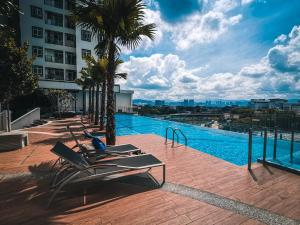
(164, 175)
(53, 166)
(56, 174)
(62, 180)
(60, 187)
(153, 178)
(62, 169)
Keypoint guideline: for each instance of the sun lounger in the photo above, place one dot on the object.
(79, 169)
(124, 149)
(92, 134)
(91, 154)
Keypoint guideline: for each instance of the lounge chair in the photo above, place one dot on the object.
(125, 149)
(91, 154)
(92, 134)
(79, 169)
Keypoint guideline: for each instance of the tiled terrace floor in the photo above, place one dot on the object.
(23, 198)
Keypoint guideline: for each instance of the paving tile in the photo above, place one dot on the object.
(120, 203)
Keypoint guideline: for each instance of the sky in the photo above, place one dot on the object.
(217, 49)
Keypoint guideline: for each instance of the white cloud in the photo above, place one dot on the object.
(200, 27)
(225, 5)
(280, 39)
(167, 76)
(245, 2)
(163, 74)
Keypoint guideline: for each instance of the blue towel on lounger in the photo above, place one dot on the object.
(98, 144)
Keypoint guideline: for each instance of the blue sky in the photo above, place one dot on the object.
(217, 49)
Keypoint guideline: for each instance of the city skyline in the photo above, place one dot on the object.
(238, 49)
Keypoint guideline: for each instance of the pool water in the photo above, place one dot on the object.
(226, 145)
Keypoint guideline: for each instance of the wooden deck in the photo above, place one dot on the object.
(23, 198)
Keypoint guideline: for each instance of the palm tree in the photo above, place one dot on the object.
(99, 70)
(86, 82)
(115, 23)
(98, 75)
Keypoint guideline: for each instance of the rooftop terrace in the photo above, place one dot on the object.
(199, 189)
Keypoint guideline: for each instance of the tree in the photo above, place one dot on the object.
(61, 100)
(16, 77)
(87, 83)
(83, 81)
(8, 7)
(115, 23)
(99, 68)
(98, 75)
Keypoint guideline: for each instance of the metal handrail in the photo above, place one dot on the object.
(166, 136)
(174, 132)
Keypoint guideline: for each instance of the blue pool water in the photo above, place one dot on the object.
(229, 146)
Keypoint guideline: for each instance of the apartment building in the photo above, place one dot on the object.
(59, 48)
(274, 103)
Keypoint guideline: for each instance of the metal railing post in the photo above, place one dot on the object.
(166, 137)
(167, 129)
(292, 145)
(250, 149)
(275, 143)
(173, 135)
(265, 145)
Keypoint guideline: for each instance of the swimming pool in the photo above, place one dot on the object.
(227, 145)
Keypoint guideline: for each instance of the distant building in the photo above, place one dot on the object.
(277, 103)
(159, 103)
(259, 104)
(296, 108)
(226, 116)
(274, 103)
(191, 102)
(235, 116)
(208, 103)
(188, 103)
(185, 102)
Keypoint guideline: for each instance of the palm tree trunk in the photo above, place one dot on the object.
(90, 102)
(83, 101)
(8, 117)
(103, 96)
(97, 105)
(110, 105)
(93, 103)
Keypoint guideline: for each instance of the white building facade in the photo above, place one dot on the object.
(59, 48)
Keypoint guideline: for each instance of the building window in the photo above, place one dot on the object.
(69, 4)
(55, 3)
(86, 35)
(54, 19)
(54, 37)
(70, 75)
(54, 56)
(37, 70)
(70, 58)
(70, 40)
(85, 53)
(54, 74)
(37, 32)
(69, 22)
(37, 51)
(36, 12)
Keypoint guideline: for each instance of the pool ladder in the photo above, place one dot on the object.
(175, 131)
